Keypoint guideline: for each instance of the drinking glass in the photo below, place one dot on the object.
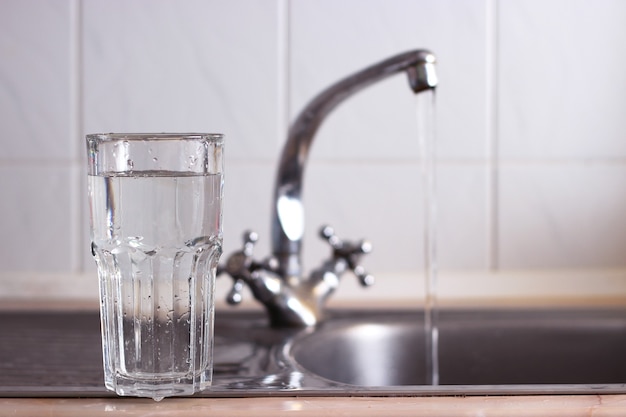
(156, 233)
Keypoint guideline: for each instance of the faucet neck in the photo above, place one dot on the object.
(288, 211)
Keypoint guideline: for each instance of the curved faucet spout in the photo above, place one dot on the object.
(288, 211)
(290, 298)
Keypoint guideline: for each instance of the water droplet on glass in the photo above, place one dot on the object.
(192, 161)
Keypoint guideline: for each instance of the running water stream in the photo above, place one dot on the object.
(425, 106)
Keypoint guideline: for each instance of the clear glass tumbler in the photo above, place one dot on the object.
(156, 232)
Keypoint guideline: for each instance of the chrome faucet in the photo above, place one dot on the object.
(278, 282)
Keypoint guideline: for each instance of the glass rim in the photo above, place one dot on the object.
(109, 137)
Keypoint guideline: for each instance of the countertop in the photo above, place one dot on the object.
(506, 406)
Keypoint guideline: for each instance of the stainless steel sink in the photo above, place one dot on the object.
(486, 350)
(352, 353)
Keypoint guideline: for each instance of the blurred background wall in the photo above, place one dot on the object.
(530, 125)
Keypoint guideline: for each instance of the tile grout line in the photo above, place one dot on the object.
(284, 70)
(76, 113)
(493, 207)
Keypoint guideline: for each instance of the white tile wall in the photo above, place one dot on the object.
(38, 211)
(561, 134)
(530, 132)
(36, 81)
(184, 66)
(562, 88)
(39, 217)
(566, 215)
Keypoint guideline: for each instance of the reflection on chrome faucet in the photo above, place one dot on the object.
(278, 282)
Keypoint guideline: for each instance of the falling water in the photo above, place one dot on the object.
(425, 105)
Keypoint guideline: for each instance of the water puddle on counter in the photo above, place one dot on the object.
(425, 108)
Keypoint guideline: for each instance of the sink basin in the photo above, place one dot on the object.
(488, 350)
(352, 353)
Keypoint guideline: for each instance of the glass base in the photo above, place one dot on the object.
(156, 389)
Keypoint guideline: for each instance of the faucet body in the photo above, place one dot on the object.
(279, 283)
